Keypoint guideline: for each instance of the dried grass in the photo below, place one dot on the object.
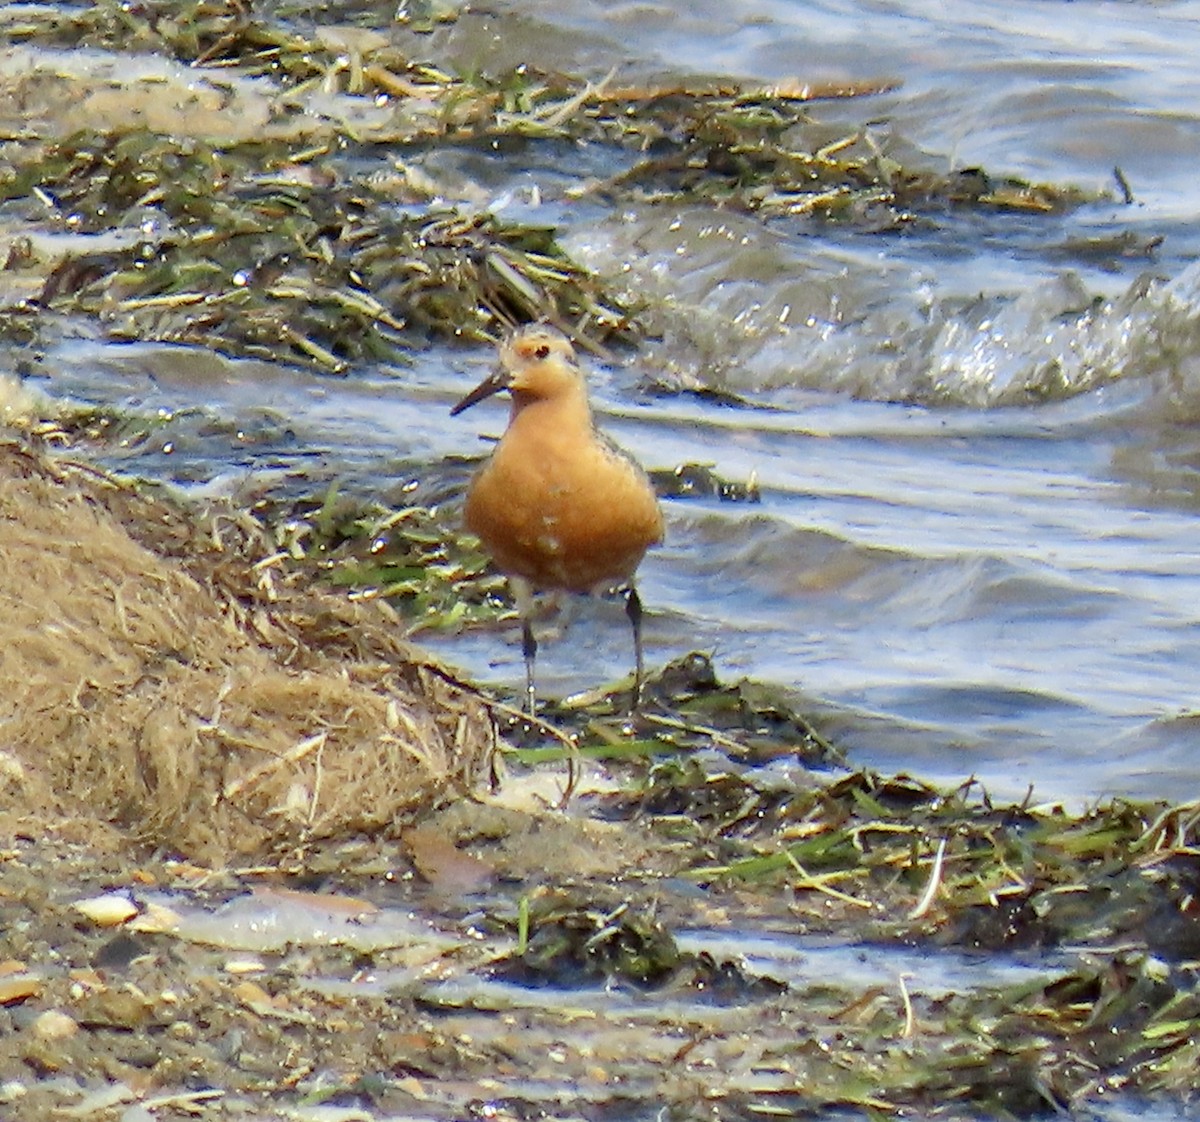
(158, 676)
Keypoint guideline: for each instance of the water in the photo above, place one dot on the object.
(1010, 588)
(976, 551)
(975, 436)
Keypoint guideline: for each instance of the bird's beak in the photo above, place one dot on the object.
(499, 379)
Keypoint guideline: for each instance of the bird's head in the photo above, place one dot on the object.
(536, 363)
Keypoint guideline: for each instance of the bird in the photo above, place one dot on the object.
(557, 505)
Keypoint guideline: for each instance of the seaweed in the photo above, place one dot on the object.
(295, 222)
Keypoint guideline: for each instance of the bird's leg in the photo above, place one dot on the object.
(633, 609)
(523, 597)
(529, 650)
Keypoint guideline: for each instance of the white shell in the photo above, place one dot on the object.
(108, 910)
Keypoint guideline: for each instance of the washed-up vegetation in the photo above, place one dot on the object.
(299, 733)
(279, 266)
(200, 705)
(267, 196)
(192, 692)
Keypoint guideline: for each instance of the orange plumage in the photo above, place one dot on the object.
(557, 505)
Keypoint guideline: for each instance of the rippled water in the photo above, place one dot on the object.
(976, 551)
(1006, 591)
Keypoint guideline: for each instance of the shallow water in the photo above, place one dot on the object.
(976, 550)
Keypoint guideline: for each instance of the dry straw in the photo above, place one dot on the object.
(161, 676)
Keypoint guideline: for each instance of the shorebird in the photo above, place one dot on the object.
(557, 504)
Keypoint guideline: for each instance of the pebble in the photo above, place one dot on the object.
(53, 1025)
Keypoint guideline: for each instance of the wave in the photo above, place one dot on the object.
(737, 308)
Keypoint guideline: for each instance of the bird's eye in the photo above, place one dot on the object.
(542, 352)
